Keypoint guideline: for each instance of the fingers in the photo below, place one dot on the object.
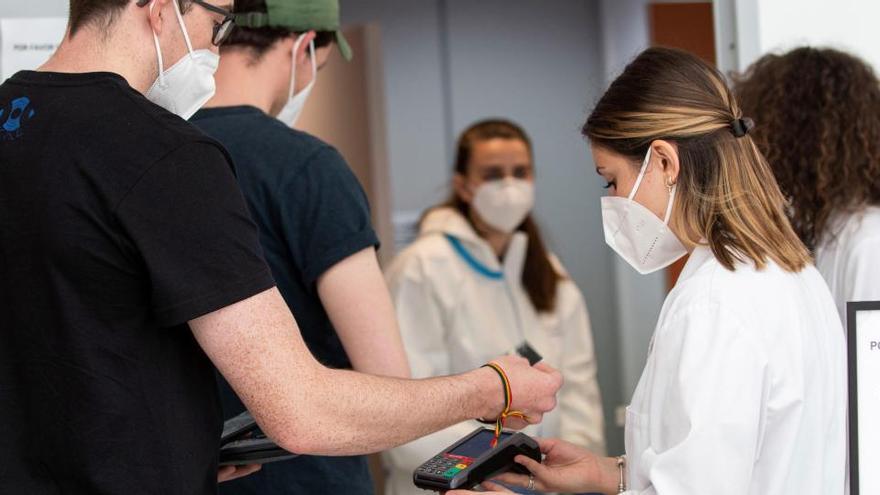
(550, 370)
(224, 473)
(249, 469)
(495, 488)
(229, 473)
(536, 468)
(515, 423)
(513, 479)
(547, 444)
(543, 366)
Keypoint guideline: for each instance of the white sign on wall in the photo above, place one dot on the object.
(863, 324)
(26, 43)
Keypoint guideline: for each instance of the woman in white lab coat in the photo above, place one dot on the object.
(820, 115)
(744, 390)
(478, 282)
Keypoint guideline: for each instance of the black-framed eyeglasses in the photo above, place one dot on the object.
(223, 29)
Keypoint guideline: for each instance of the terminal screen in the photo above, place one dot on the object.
(478, 444)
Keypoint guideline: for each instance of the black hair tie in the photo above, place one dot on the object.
(741, 127)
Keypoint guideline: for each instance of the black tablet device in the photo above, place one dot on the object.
(242, 442)
(472, 460)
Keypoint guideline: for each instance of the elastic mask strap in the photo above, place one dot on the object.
(293, 63)
(158, 51)
(314, 62)
(669, 206)
(290, 93)
(632, 194)
(182, 26)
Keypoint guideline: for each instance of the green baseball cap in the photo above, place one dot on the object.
(299, 16)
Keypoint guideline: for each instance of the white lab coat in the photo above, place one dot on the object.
(454, 319)
(849, 257)
(744, 391)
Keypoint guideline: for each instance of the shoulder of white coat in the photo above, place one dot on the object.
(748, 297)
(711, 306)
(866, 235)
(430, 256)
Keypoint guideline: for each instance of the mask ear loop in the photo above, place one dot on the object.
(158, 51)
(183, 27)
(314, 62)
(671, 202)
(632, 194)
(292, 90)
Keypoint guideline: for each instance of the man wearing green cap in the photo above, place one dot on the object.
(312, 214)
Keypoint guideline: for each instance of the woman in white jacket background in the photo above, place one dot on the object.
(478, 282)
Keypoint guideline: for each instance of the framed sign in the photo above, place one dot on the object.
(863, 334)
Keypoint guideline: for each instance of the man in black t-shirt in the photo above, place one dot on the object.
(312, 215)
(129, 263)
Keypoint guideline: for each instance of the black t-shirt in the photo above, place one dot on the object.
(312, 213)
(119, 222)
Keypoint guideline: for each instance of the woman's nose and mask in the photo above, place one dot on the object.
(638, 235)
(504, 203)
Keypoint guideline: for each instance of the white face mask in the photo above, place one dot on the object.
(296, 102)
(504, 204)
(636, 234)
(189, 83)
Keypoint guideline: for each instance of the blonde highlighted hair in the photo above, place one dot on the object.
(727, 196)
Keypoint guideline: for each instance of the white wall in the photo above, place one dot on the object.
(33, 8)
(764, 26)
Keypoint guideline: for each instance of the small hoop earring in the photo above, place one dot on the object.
(669, 184)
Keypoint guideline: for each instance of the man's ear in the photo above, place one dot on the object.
(302, 51)
(154, 14)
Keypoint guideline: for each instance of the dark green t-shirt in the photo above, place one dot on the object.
(311, 213)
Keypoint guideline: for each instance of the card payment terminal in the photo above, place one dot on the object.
(472, 460)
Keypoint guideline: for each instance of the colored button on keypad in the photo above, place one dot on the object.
(451, 472)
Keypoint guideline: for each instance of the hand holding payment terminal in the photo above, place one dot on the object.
(472, 460)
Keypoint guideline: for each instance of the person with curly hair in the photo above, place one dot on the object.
(818, 123)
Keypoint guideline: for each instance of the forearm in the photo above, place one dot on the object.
(308, 408)
(357, 301)
(376, 348)
(346, 413)
(383, 356)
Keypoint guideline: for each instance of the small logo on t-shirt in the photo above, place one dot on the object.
(13, 115)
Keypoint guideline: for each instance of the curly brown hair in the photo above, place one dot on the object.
(818, 123)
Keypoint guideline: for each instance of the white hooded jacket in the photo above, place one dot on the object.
(459, 307)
